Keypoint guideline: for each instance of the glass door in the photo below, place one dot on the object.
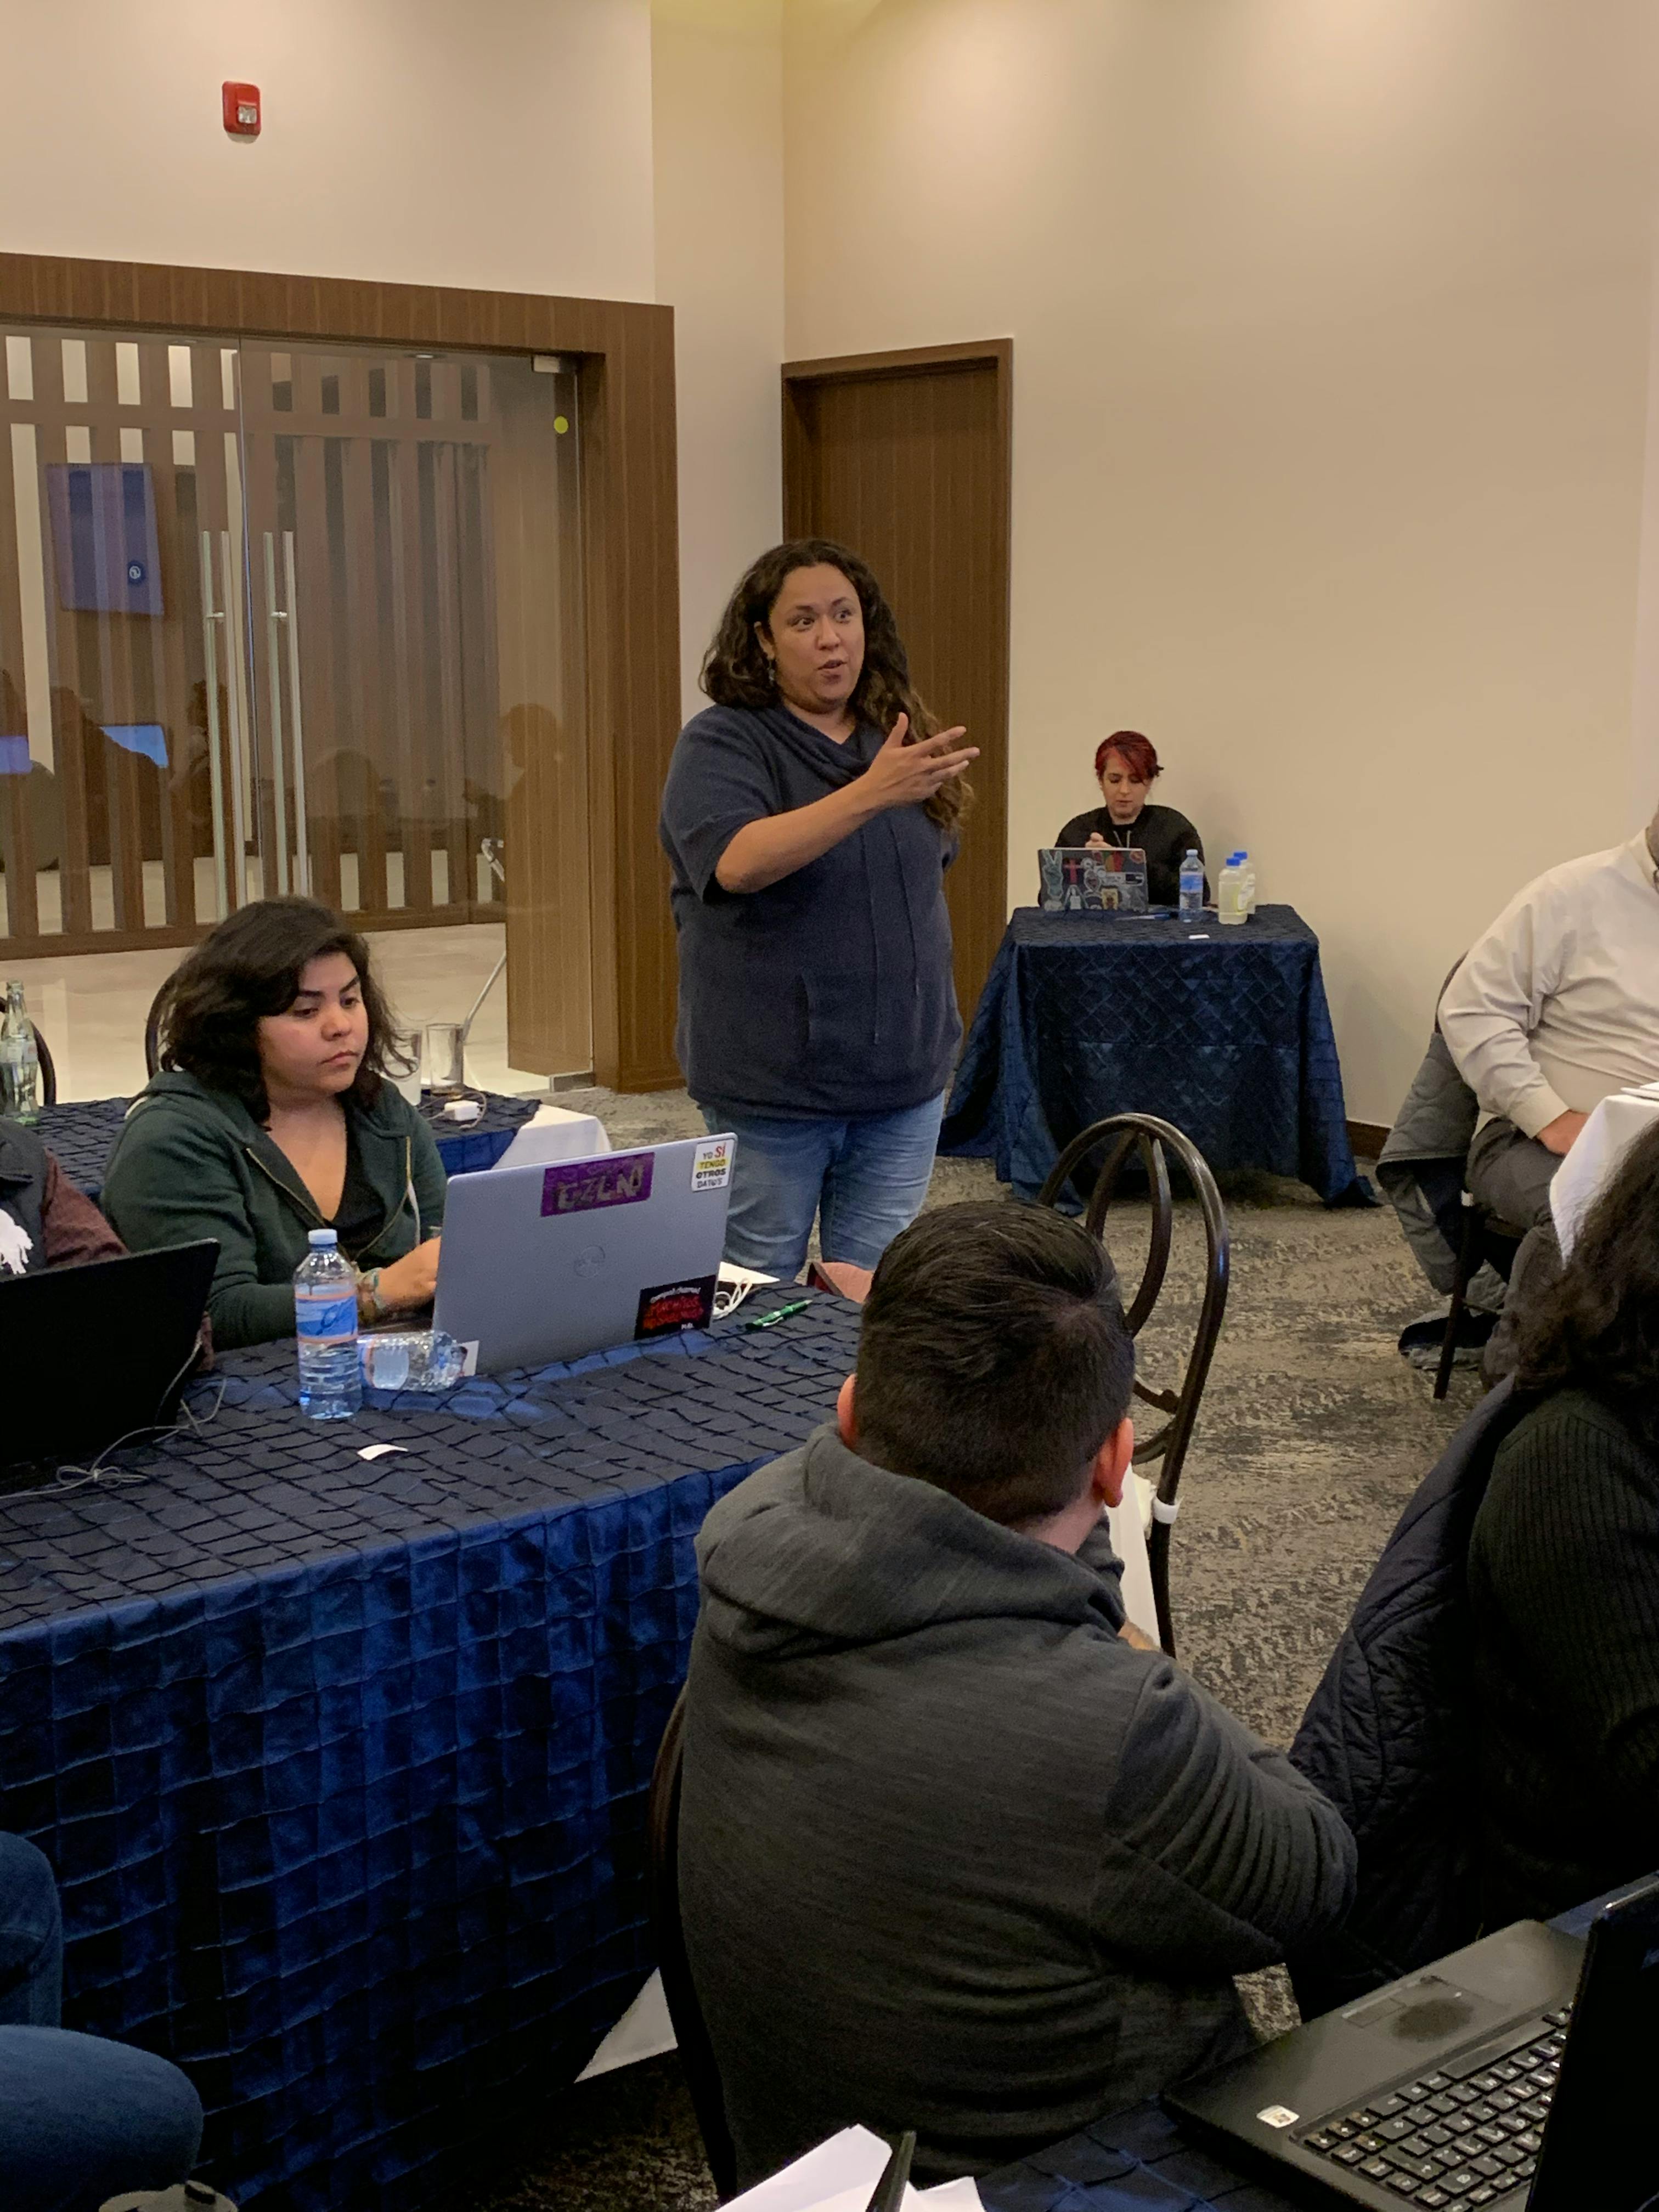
(414, 639)
(299, 618)
(123, 715)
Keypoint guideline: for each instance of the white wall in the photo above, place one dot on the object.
(1331, 335)
(718, 109)
(505, 143)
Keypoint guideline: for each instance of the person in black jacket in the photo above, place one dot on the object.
(1564, 1577)
(1125, 767)
(957, 1851)
(809, 816)
(1489, 1721)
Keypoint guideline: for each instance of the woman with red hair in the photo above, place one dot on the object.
(1125, 766)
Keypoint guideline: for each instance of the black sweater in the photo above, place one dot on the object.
(1564, 1587)
(1165, 836)
(829, 992)
(952, 1856)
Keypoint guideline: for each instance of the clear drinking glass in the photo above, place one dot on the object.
(445, 1059)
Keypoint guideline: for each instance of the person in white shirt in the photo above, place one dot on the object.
(1554, 1008)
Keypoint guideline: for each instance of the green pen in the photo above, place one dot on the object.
(780, 1313)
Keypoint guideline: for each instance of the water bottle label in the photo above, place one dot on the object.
(331, 1317)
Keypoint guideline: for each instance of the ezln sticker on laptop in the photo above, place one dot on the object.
(583, 1186)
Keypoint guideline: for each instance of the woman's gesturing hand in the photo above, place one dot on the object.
(907, 776)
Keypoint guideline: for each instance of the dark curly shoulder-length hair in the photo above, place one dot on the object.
(1597, 1328)
(737, 672)
(251, 966)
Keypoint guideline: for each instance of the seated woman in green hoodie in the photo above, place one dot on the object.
(273, 1116)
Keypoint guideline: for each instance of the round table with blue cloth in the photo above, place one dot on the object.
(82, 1135)
(342, 1764)
(1225, 1032)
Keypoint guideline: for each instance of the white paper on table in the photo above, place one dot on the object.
(854, 2159)
(841, 2176)
(553, 1132)
(1597, 1154)
(948, 2196)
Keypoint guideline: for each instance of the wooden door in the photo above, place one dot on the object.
(904, 458)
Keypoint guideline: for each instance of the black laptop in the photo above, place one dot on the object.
(1519, 2072)
(97, 1353)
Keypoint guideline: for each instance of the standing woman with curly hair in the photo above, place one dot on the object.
(810, 815)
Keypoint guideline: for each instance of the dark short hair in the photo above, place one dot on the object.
(251, 966)
(1597, 1328)
(1138, 754)
(992, 1361)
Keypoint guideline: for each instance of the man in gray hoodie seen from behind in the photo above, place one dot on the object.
(958, 1851)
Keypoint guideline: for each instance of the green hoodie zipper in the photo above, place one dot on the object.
(302, 1198)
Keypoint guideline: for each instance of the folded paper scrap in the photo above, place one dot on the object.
(841, 2176)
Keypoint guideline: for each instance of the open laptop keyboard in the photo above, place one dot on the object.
(1467, 2134)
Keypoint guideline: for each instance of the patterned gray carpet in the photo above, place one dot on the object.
(1313, 1433)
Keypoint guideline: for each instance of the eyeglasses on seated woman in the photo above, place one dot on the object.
(1126, 768)
(272, 1115)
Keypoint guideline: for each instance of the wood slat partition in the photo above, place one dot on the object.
(17, 841)
(629, 577)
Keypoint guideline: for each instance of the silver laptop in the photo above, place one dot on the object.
(553, 1261)
(1092, 879)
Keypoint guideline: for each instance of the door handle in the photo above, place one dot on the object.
(234, 710)
(289, 618)
(275, 618)
(211, 616)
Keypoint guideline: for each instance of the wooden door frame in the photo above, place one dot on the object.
(996, 354)
(629, 546)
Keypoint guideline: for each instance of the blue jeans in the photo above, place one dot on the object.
(82, 2119)
(866, 1177)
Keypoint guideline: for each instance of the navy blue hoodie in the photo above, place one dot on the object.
(830, 992)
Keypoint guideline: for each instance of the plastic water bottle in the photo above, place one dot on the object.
(1229, 890)
(421, 1359)
(20, 1060)
(325, 1323)
(1192, 887)
(1249, 884)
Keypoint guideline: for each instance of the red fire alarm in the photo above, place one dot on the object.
(242, 110)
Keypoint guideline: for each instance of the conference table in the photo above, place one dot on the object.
(1223, 1032)
(82, 1133)
(342, 1760)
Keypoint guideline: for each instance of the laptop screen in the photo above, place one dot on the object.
(1601, 2145)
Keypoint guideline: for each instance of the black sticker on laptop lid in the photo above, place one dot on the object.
(672, 1307)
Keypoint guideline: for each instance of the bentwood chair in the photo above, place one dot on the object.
(1157, 1143)
(696, 2052)
(152, 1029)
(48, 1072)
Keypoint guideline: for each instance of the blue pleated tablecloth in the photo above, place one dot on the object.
(1138, 2161)
(1225, 1032)
(342, 1764)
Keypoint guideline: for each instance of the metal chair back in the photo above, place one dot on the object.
(152, 1029)
(1157, 1142)
(48, 1071)
(703, 2077)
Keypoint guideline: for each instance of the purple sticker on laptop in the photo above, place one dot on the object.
(583, 1186)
